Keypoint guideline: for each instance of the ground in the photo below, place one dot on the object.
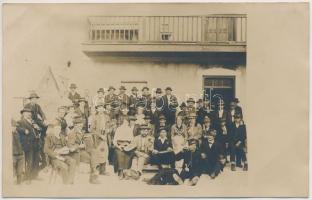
(112, 186)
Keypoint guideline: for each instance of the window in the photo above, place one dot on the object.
(165, 35)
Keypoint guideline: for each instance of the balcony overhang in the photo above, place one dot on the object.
(97, 48)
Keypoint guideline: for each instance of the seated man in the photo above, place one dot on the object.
(211, 154)
(55, 147)
(191, 168)
(143, 145)
(163, 153)
(77, 143)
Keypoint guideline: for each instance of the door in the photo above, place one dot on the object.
(218, 88)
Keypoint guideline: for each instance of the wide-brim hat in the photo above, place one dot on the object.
(73, 86)
(111, 88)
(144, 127)
(190, 100)
(168, 88)
(100, 90)
(122, 88)
(100, 105)
(199, 101)
(26, 110)
(183, 105)
(132, 118)
(237, 115)
(158, 90)
(33, 96)
(134, 89)
(162, 117)
(145, 88)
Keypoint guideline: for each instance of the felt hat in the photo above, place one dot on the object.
(73, 86)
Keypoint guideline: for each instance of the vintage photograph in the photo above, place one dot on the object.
(125, 95)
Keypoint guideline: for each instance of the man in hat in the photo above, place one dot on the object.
(211, 154)
(111, 96)
(183, 113)
(147, 99)
(234, 109)
(61, 112)
(201, 112)
(170, 106)
(83, 111)
(237, 140)
(223, 135)
(73, 95)
(218, 114)
(207, 125)
(191, 168)
(123, 97)
(191, 105)
(151, 127)
(162, 125)
(133, 99)
(58, 152)
(18, 154)
(30, 141)
(143, 146)
(99, 98)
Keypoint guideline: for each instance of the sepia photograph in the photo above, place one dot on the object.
(126, 100)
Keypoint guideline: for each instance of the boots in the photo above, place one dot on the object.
(245, 167)
(233, 167)
(102, 169)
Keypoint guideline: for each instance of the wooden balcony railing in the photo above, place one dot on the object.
(210, 29)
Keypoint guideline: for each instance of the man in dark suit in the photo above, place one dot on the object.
(39, 118)
(234, 109)
(223, 135)
(211, 154)
(147, 99)
(61, 112)
(18, 154)
(201, 112)
(30, 141)
(238, 139)
(191, 168)
(73, 95)
(163, 152)
(123, 97)
(162, 125)
(170, 106)
(218, 114)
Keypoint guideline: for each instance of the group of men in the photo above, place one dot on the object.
(130, 131)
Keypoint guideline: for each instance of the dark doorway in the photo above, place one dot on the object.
(217, 88)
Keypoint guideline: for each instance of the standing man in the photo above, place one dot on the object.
(111, 96)
(38, 118)
(201, 112)
(133, 99)
(170, 106)
(73, 95)
(238, 145)
(234, 109)
(18, 154)
(123, 97)
(29, 138)
(99, 98)
(147, 99)
(191, 105)
(218, 114)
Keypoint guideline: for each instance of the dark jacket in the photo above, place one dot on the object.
(16, 144)
(74, 97)
(212, 153)
(201, 113)
(230, 118)
(191, 162)
(238, 134)
(37, 113)
(216, 119)
(162, 146)
(27, 135)
(63, 124)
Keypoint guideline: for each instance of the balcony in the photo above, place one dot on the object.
(112, 35)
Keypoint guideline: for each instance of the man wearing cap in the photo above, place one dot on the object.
(191, 168)
(170, 106)
(238, 138)
(83, 111)
(73, 95)
(29, 138)
(99, 98)
(123, 97)
(143, 145)
(211, 154)
(58, 152)
(133, 99)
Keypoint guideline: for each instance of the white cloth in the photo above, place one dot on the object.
(123, 133)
